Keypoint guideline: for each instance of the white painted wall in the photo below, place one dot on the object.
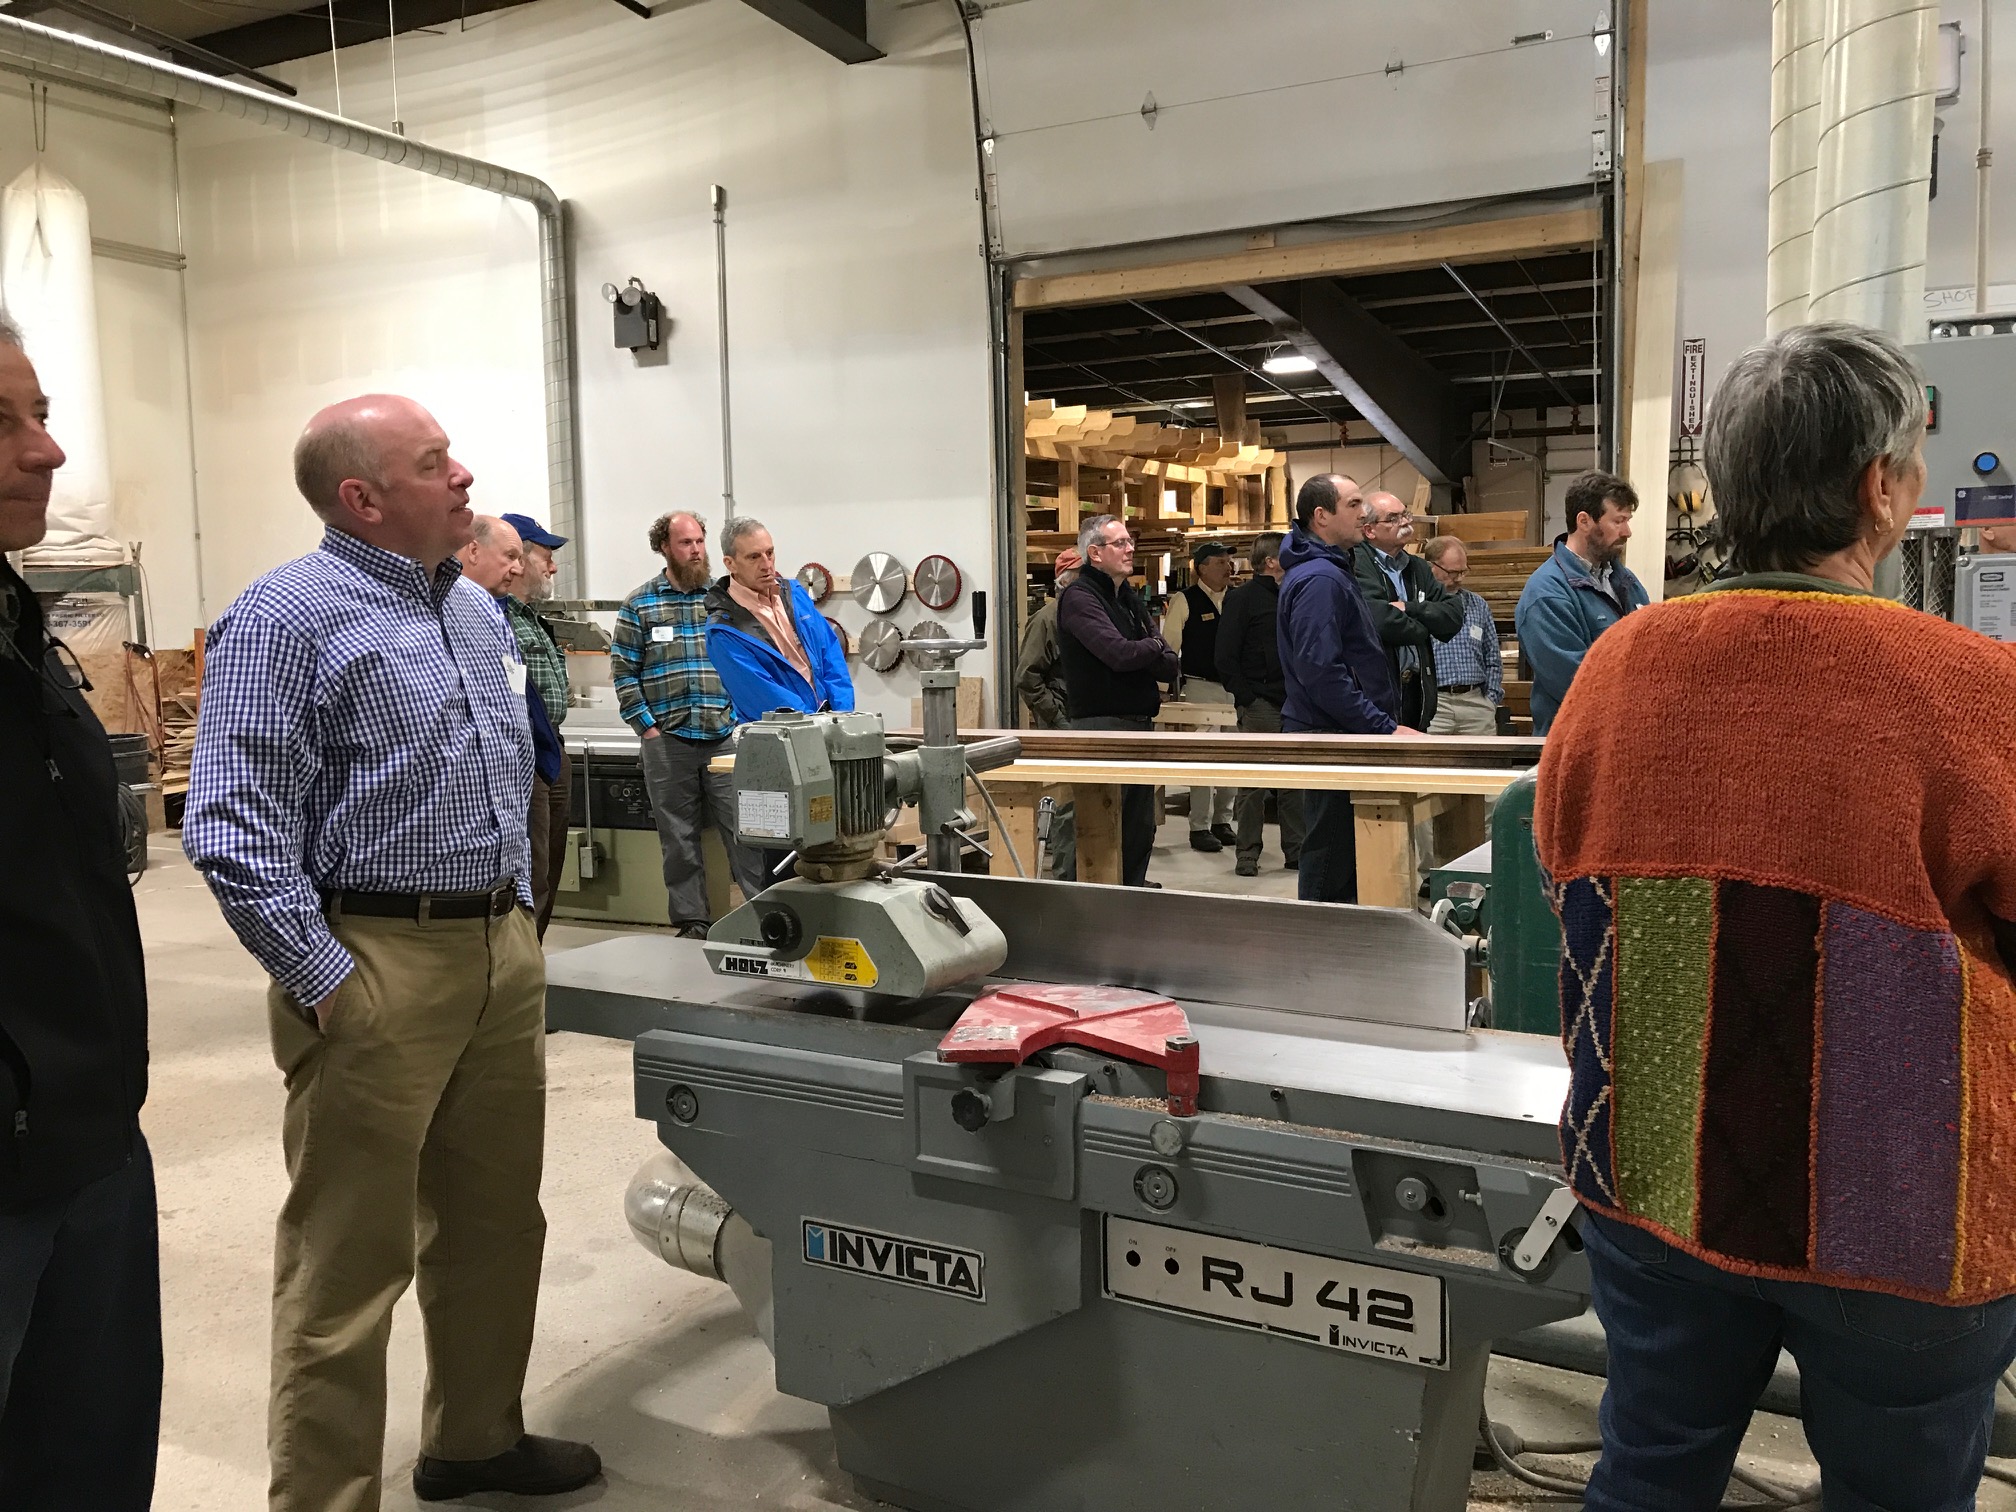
(858, 304)
(121, 156)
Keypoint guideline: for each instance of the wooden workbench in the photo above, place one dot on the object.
(1397, 809)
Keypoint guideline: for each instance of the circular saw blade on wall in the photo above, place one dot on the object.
(840, 634)
(938, 583)
(815, 580)
(920, 658)
(881, 644)
(880, 582)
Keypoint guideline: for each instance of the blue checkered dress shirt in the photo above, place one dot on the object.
(358, 732)
(1469, 658)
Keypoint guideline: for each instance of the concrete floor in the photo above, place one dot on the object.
(655, 1367)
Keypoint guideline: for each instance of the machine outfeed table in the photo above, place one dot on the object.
(1036, 1288)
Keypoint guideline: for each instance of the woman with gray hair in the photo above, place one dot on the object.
(1786, 996)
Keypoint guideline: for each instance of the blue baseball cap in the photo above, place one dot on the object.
(532, 533)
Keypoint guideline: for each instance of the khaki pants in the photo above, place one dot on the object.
(1209, 807)
(1464, 714)
(414, 1131)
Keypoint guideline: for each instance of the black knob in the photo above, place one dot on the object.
(779, 927)
(969, 1110)
(979, 614)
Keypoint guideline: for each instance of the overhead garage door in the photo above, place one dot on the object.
(1141, 120)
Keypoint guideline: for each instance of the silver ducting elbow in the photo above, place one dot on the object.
(676, 1217)
(684, 1222)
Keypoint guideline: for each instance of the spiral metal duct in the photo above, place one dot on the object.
(65, 54)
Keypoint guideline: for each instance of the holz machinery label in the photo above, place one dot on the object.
(890, 1257)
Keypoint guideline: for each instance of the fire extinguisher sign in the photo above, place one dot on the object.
(1693, 384)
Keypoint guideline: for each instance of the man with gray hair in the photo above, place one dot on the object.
(669, 693)
(357, 803)
(771, 645)
(1113, 660)
(80, 1290)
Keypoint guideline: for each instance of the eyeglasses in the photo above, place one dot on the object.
(60, 669)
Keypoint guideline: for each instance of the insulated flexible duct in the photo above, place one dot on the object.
(1798, 28)
(77, 57)
(1877, 81)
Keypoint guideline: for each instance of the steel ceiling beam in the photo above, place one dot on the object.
(1407, 400)
(839, 27)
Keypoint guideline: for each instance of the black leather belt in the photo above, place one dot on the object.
(1464, 688)
(494, 904)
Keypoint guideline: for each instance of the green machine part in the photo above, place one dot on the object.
(1525, 949)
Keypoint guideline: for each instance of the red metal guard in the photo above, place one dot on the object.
(1008, 1026)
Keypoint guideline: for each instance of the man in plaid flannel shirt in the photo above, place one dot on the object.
(669, 693)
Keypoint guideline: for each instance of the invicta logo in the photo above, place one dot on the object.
(890, 1257)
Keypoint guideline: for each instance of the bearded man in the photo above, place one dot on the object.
(670, 694)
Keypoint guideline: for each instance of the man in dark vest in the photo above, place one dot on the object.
(1190, 625)
(1113, 660)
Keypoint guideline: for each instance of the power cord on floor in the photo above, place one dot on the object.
(1505, 1446)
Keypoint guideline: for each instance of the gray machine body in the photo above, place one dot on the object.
(1286, 1301)
(1974, 380)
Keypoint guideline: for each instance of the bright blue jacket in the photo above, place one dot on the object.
(755, 673)
(1561, 612)
(1338, 677)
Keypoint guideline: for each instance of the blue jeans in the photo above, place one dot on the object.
(1897, 1396)
(80, 1347)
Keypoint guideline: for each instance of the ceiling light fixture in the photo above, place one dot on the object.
(1289, 362)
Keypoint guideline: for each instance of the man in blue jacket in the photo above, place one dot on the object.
(1338, 677)
(1579, 592)
(772, 648)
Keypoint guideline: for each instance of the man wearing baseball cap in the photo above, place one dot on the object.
(545, 699)
(1190, 625)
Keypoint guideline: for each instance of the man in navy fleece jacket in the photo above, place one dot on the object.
(1339, 679)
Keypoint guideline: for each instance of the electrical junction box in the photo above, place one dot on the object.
(1984, 595)
(1970, 446)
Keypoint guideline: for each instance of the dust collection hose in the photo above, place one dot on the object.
(684, 1222)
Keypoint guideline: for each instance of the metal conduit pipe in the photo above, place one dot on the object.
(64, 54)
(685, 1223)
(1878, 75)
(1798, 28)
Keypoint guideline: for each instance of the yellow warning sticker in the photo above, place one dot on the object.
(820, 809)
(841, 963)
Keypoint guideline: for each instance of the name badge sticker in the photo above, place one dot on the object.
(514, 674)
(662, 635)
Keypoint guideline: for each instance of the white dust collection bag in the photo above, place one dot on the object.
(45, 286)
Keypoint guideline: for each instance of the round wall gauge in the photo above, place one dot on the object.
(880, 581)
(938, 583)
(815, 580)
(881, 645)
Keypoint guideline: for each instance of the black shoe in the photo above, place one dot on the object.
(533, 1466)
(1224, 834)
(691, 930)
(1204, 840)
(1246, 869)
(1293, 863)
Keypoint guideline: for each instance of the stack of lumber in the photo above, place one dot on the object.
(1136, 448)
(1498, 575)
(179, 689)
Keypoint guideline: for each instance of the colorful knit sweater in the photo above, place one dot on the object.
(1780, 822)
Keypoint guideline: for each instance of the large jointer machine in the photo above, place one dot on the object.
(1068, 1197)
